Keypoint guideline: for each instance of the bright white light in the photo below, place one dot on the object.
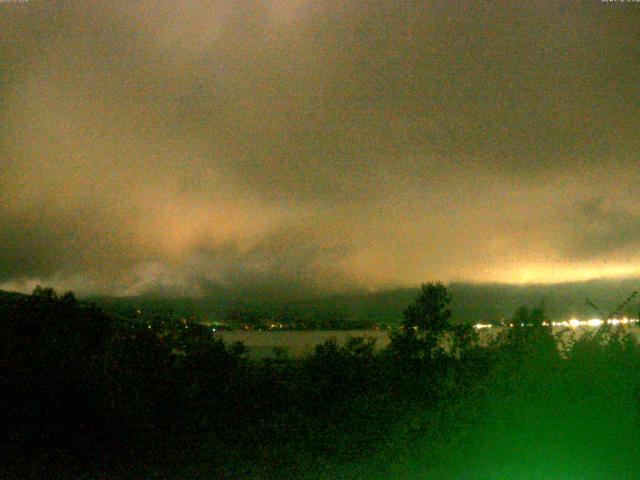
(594, 322)
(574, 323)
(482, 325)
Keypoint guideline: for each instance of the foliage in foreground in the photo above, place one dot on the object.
(84, 394)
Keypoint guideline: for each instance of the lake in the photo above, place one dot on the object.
(297, 343)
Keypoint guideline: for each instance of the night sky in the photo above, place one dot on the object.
(299, 146)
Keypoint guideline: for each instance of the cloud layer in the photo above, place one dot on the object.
(291, 145)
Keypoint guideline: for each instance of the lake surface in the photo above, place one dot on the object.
(296, 343)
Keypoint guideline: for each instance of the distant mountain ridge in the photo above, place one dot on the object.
(470, 302)
(11, 297)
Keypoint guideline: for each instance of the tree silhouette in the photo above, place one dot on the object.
(430, 311)
(424, 322)
(521, 317)
(45, 292)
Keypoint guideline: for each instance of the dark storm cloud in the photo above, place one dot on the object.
(42, 242)
(418, 140)
(602, 230)
(286, 264)
(516, 88)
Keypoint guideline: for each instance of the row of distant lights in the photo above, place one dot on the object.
(574, 323)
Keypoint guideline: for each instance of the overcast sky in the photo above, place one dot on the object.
(292, 145)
